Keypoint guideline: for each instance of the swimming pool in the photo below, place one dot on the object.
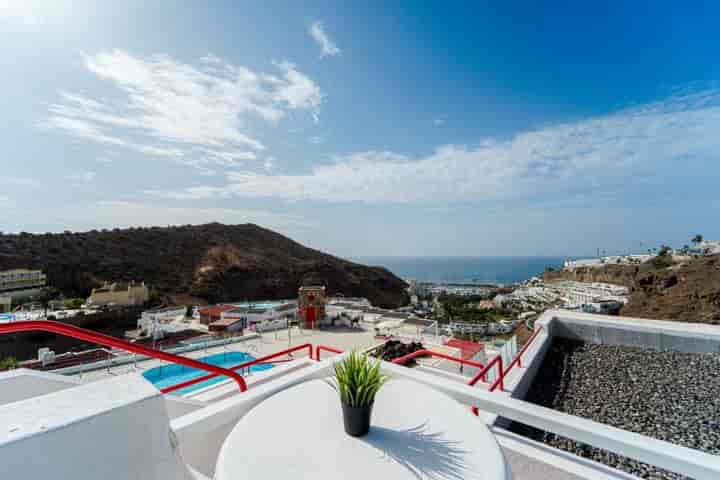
(265, 305)
(169, 375)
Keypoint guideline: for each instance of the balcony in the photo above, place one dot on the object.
(122, 426)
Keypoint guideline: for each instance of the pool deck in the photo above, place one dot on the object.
(264, 344)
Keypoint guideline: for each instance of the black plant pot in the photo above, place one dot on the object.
(356, 419)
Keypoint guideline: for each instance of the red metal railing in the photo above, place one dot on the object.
(112, 342)
(516, 361)
(257, 361)
(484, 369)
(429, 353)
(482, 374)
(326, 348)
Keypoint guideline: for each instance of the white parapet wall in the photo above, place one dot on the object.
(637, 332)
(22, 383)
(115, 429)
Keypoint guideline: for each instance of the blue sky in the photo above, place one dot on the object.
(379, 128)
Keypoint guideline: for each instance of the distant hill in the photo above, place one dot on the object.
(214, 262)
(687, 291)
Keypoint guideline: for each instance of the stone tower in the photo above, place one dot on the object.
(311, 305)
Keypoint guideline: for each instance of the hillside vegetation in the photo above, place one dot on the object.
(214, 262)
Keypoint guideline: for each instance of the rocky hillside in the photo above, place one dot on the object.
(687, 290)
(214, 262)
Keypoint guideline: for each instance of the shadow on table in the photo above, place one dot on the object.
(426, 454)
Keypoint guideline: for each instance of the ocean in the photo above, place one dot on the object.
(495, 270)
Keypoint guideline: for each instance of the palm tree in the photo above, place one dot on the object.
(697, 239)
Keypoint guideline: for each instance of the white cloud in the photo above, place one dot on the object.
(126, 214)
(327, 46)
(191, 193)
(20, 11)
(81, 177)
(104, 160)
(24, 182)
(123, 214)
(599, 153)
(269, 164)
(195, 114)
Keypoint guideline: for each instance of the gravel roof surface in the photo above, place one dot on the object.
(667, 395)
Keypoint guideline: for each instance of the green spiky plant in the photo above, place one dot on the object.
(357, 380)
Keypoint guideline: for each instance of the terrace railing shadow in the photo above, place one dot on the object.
(426, 454)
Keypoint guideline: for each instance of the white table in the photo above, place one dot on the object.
(416, 433)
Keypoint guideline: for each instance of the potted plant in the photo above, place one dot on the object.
(358, 380)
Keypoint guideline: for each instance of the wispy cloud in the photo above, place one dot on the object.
(81, 177)
(602, 154)
(269, 164)
(21, 11)
(24, 182)
(328, 48)
(197, 114)
(125, 213)
(121, 214)
(316, 140)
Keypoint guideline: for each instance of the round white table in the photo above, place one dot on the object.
(416, 433)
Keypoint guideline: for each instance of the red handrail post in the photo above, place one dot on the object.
(320, 348)
(502, 373)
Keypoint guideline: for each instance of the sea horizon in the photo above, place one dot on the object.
(465, 269)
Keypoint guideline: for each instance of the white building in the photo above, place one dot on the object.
(21, 283)
(156, 322)
(706, 247)
(257, 318)
(607, 260)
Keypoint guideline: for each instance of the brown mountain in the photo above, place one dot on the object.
(686, 290)
(214, 262)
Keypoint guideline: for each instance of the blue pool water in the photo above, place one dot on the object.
(268, 304)
(168, 375)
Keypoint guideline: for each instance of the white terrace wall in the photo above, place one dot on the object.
(656, 334)
(115, 429)
(20, 384)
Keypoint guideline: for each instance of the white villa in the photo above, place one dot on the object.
(258, 318)
(157, 321)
